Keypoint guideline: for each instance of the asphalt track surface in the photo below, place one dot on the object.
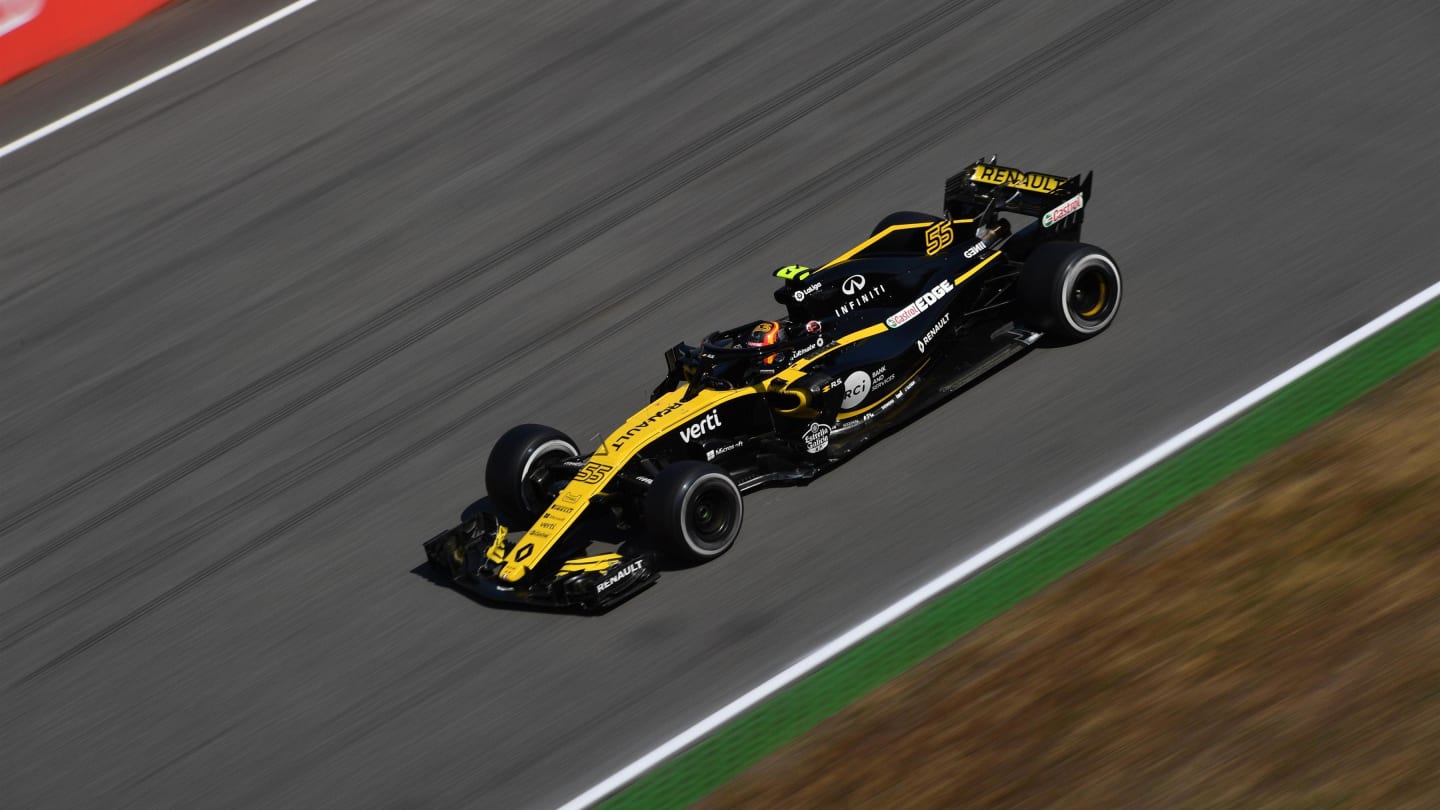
(261, 323)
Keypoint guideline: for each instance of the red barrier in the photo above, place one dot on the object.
(33, 32)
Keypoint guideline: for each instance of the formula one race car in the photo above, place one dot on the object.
(924, 307)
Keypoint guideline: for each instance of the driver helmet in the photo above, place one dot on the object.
(765, 333)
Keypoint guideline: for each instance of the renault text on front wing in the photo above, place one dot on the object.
(633, 568)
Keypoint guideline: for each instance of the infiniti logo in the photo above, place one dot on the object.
(852, 285)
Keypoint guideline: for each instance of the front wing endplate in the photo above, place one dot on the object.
(466, 557)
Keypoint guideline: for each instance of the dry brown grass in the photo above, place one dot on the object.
(1275, 643)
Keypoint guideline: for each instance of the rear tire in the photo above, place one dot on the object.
(1069, 290)
(903, 218)
(513, 474)
(693, 511)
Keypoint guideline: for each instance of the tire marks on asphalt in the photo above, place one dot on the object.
(841, 179)
(748, 129)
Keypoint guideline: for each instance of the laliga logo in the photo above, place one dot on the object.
(800, 294)
(852, 285)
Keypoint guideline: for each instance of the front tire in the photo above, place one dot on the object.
(515, 473)
(693, 511)
(1069, 290)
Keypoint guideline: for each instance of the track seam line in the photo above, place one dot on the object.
(537, 235)
(1019, 76)
(813, 190)
(963, 570)
(145, 81)
(386, 104)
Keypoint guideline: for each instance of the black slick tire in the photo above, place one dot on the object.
(693, 511)
(514, 474)
(1069, 290)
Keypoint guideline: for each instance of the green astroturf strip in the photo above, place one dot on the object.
(690, 775)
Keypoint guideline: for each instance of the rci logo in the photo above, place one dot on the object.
(938, 237)
(857, 387)
(852, 285)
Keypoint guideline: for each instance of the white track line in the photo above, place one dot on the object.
(995, 550)
(927, 591)
(141, 84)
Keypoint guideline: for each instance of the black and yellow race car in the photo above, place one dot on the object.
(906, 318)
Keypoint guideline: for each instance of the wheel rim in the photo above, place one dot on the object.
(710, 517)
(1091, 296)
(532, 481)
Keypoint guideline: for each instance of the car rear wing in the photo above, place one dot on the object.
(984, 189)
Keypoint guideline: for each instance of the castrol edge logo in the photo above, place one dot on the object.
(919, 305)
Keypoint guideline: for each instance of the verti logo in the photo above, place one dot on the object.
(852, 285)
(706, 424)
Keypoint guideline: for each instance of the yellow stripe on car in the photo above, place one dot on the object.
(965, 276)
(656, 420)
(599, 562)
(852, 252)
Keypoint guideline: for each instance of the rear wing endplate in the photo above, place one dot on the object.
(984, 188)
